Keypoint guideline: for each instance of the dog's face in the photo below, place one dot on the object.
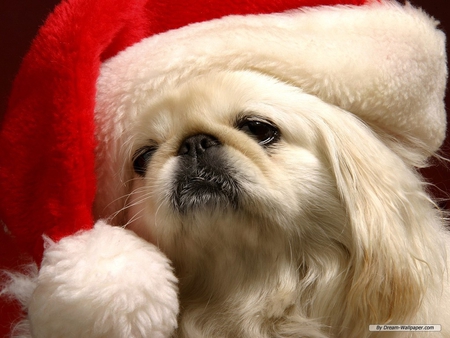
(230, 157)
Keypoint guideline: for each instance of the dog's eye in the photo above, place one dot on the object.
(264, 132)
(141, 158)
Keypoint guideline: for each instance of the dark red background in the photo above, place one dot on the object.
(19, 21)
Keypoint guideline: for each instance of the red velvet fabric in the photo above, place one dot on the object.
(47, 137)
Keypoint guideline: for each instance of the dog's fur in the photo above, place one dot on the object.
(324, 231)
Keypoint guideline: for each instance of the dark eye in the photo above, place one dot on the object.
(263, 131)
(141, 159)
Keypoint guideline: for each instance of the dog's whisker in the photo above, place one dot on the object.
(128, 205)
(134, 218)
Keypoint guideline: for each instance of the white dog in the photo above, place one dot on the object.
(277, 169)
(284, 216)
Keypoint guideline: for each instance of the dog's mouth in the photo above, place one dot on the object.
(204, 188)
(203, 180)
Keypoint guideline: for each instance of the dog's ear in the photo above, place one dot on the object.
(391, 223)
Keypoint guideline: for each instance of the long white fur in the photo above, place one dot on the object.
(338, 232)
(335, 231)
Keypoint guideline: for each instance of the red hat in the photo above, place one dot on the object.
(356, 54)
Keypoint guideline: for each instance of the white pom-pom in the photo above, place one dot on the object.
(105, 282)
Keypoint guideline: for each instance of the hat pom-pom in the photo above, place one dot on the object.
(105, 282)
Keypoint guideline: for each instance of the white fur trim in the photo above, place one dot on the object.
(106, 282)
(383, 61)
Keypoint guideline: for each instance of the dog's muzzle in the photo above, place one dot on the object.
(203, 180)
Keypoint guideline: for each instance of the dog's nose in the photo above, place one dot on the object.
(198, 144)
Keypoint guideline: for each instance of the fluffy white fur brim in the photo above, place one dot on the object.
(106, 282)
(382, 61)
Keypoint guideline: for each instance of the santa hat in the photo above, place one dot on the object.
(380, 60)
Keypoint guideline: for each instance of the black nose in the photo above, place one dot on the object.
(198, 144)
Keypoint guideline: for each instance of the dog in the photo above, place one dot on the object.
(283, 215)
